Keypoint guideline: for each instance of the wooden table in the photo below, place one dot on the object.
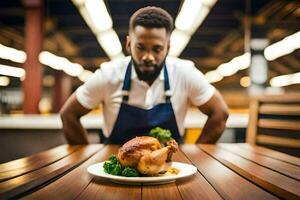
(225, 171)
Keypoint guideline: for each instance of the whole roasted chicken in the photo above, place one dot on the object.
(147, 155)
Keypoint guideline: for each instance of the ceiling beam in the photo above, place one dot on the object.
(280, 67)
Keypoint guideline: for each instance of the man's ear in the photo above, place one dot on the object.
(128, 43)
(168, 46)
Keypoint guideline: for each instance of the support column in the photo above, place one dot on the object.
(259, 66)
(61, 91)
(32, 85)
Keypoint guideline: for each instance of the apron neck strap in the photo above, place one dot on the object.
(127, 83)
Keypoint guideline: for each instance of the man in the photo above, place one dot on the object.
(146, 90)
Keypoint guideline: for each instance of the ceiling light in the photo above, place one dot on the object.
(12, 71)
(52, 60)
(99, 14)
(4, 81)
(227, 69)
(73, 69)
(60, 63)
(283, 47)
(285, 80)
(189, 12)
(178, 42)
(110, 42)
(245, 81)
(12, 54)
(85, 75)
(213, 76)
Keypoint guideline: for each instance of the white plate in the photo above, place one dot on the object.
(185, 170)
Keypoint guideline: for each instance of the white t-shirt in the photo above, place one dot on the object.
(187, 85)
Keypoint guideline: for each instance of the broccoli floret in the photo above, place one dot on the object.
(130, 172)
(112, 166)
(163, 135)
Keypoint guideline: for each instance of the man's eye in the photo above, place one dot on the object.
(140, 48)
(157, 50)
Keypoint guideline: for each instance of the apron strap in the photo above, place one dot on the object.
(127, 84)
(167, 84)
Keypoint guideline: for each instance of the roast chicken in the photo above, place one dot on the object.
(147, 155)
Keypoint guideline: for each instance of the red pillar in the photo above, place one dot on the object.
(61, 91)
(32, 85)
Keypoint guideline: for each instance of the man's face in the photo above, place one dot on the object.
(148, 48)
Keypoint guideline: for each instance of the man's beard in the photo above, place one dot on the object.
(147, 76)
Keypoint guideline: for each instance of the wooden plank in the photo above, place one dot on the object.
(286, 98)
(279, 124)
(88, 187)
(25, 165)
(280, 109)
(271, 153)
(101, 188)
(21, 184)
(276, 183)
(165, 191)
(195, 187)
(278, 141)
(277, 165)
(53, 154)
(225, 181)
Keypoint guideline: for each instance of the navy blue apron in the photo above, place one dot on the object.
(134, 121)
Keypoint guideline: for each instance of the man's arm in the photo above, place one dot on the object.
(70, 114)
(217, 112)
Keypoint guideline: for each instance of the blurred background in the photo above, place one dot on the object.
(50, 47)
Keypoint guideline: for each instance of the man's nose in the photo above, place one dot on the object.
(148, 57)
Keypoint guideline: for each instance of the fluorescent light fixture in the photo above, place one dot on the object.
(209, 3)
(51, 60)
(109, 41)
(227, 69)
(78, 2)
(190, 17)
(178, 42)
(99, 14)
(95, 13)
(236, 64)
(60, 63)
(242, 62)
(285, 80)
(4, 81)
(213, 76)
(283, 47)
(73, 69)
(12, 71)
(12, 54)
(85, 75)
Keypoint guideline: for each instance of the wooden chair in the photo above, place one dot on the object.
(275, 122)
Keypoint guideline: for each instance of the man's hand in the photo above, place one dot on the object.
(70, 114)
(217, 112)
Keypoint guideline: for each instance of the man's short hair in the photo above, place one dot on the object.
(151, 17)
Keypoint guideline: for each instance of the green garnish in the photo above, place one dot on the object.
(163, 135)
(130, 172)
(113, 166)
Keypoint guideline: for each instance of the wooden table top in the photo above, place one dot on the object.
(225, 171)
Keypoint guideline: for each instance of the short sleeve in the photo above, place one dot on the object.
(199, 89)
(92, 92)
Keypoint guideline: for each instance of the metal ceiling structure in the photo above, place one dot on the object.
(219, 38)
